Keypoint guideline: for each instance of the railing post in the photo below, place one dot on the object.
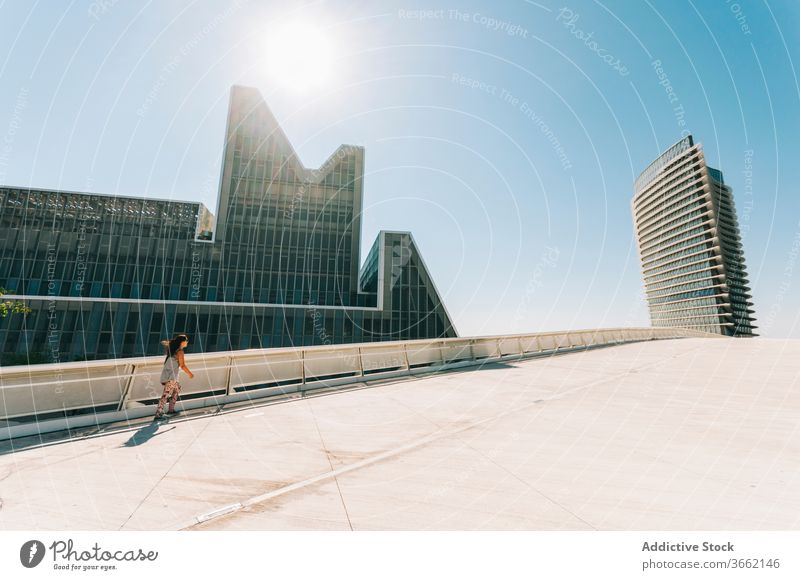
(360, 363)
(127, 390)
(302, 366)
(228, 375)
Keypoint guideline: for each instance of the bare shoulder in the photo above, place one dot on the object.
(179, 356)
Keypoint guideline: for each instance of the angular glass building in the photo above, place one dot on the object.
(689, 245)
(278, 266)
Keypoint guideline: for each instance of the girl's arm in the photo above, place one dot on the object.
(183, 365)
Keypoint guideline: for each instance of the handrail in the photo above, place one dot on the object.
(52, 397)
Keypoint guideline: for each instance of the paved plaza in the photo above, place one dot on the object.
(665, 435)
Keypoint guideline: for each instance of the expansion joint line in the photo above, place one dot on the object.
(166, 473)
(330, 464)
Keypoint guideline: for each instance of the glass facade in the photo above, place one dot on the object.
(278, 266)
(689, 245)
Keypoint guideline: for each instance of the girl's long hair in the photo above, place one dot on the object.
(174, 345)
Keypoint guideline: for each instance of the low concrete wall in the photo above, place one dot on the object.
(47, 398)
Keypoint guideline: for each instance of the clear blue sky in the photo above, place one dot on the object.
(505, 135)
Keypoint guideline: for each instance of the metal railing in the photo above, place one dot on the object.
(45, 398)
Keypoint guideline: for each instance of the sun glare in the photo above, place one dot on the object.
(299, 56)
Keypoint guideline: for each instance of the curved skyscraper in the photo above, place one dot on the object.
(689, 245)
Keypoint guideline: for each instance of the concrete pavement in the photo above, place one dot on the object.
(665, 435)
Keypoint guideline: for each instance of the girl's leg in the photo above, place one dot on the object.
(164, 395)
(175, 390)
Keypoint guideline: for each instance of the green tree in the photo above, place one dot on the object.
(11, 306)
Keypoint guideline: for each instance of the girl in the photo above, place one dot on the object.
(169, 374)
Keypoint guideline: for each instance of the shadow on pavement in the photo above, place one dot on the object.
(144, 434)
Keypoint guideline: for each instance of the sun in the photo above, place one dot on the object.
(299, 55)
